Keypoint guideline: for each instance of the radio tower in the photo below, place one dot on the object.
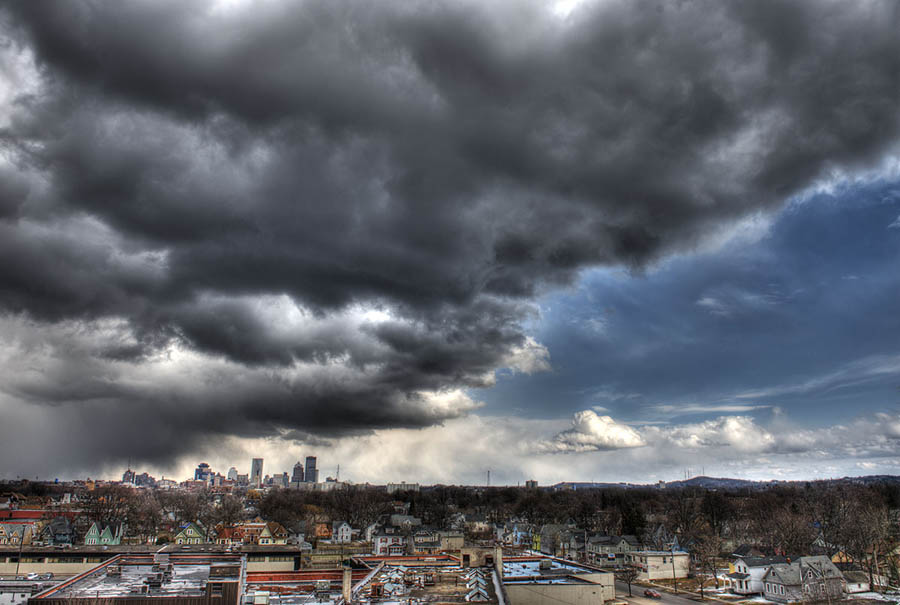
(489, 478)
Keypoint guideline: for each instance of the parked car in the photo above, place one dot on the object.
(32, 576)
(652, 594)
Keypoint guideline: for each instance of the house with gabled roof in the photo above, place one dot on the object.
(104, 535)
(190, 533)
(746, 573)
(341, 532)
(273, 533)
(807, 579)
(609, 551)
(58, 532)
(228, 536)
(15, 534)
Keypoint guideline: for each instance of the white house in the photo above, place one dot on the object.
(856, 581)
(388, 542)
(660, 564)
(746, 577)
(341, 532)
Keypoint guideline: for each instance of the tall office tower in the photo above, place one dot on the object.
(232, 474)
(312, 475)
(202, 472)
(297, 477)
(256, 472)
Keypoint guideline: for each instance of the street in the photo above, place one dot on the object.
(638, 597)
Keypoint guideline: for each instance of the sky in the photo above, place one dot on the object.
(582, 241)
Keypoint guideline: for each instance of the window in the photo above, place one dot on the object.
(782, 590)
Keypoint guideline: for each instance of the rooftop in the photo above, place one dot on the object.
(150, 576)
(544, 570)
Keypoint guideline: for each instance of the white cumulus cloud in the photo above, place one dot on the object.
(593, 432)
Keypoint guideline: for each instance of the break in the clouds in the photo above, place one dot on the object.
(336, 219)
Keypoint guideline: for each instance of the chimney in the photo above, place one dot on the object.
(347, 588)
(498, 561)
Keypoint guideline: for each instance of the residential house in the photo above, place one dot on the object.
(426, 540)
(746, 573)
(807, 579)
(228, 536)
(747, 550)
(15, 534)
(856, 581)
(405, 521)
(191, 533)
(104, 535)
(390, 540)
(516, 534)
(555, 540)
(321, 530)
(659, 564)
(370, 531)
(273, 533)
(451, 540)
(341, 532)
(477, 524)
(609, 551)
(457, 521)
(58, 532)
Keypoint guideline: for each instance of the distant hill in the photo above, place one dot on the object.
(726, 483)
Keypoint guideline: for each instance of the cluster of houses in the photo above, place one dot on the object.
(787, 580)
(776, 578)
(57, 531)
(411, 537)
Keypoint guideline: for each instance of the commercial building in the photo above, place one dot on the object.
(256, 472)
(297, 476)
(202, 472)
(402, 487)
(311, 473)
(550, 581)
(139, 579)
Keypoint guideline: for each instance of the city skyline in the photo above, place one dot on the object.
(589, 240)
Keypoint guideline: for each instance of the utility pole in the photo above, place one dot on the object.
(21, 544)
(674, 579)
(585, 545)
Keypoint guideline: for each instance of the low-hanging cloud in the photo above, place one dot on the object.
(337, 215)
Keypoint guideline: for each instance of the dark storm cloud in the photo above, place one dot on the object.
(200, 175)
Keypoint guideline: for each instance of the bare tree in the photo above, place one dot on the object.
(628, 574)
(864, 531)
(706, 552)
